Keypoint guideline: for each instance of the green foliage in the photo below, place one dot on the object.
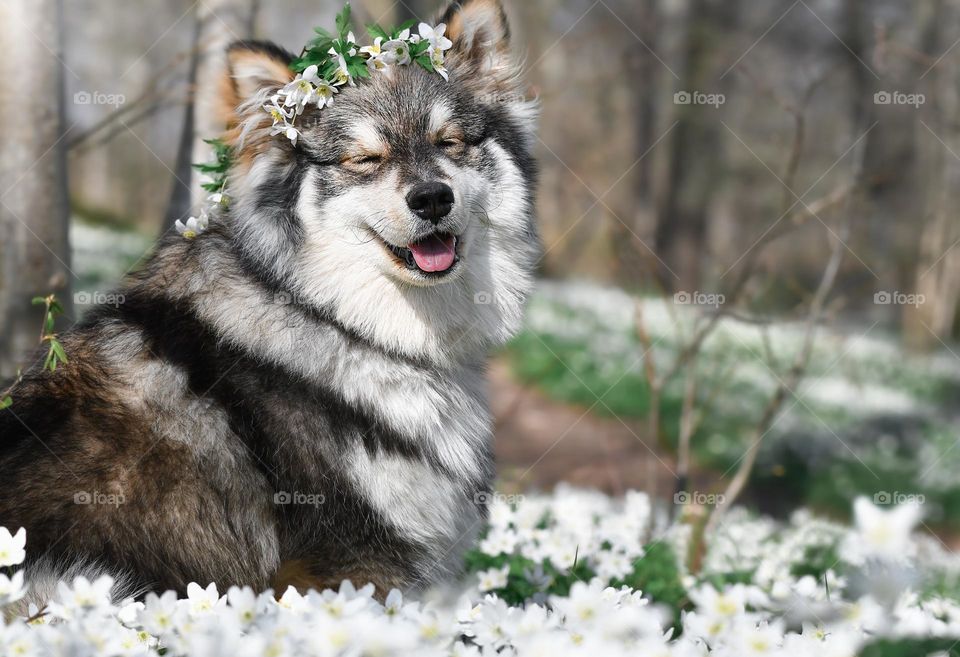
(657, 574)
(55, 353)
(817, 560)
(527, 579)
(219, 169)
(317, 51)
(911, 648)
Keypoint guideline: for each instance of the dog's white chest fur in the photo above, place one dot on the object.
(433, 503)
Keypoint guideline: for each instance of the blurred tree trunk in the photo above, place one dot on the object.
(218, 23)
(34, 207)
(632, 259)
(695, 151)
(937, 275)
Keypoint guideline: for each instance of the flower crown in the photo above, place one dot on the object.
(326, 63)
(329, 62)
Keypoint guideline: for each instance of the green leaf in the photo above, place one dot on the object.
(419, 48)
(377, 31)
(343, 22)
(38, 301)
(424, 61)
(405, 25)
(210, 168)
(58, 350)
(55, 307)
(48, 322)
(6, 402)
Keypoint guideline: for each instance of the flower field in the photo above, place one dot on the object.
(573, 573)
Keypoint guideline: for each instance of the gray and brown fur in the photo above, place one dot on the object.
(286, 351)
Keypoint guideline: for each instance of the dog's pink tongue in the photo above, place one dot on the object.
(434, 253)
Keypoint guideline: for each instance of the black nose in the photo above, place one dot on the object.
(431, 201)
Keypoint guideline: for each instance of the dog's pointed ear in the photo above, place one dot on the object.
(481, 39)
(253, 67)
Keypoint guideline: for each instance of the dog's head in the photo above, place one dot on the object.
(406, 207)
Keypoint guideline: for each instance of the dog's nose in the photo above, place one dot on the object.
(431, 201)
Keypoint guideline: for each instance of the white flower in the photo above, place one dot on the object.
(325, 92)
(83, 597)
(11, 547)
(302, 90)
(202, 600)
(374, 50)
(277, 112)
(11, 588)
(242, 603)
(194, 225)
(377, 64)
(342, 75)
(613, 564)
(584, 602)
(288, 131)
(714, 604)
(502, 541)
(435, 36)
(885, 534)
(159, 613)
(293, 600)
(436, 60)
(397, 51)
(495, 578)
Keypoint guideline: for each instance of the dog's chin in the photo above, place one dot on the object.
(436, 260)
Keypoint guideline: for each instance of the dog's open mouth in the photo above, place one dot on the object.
(434, 255)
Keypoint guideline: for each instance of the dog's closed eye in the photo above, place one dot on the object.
(363, 161)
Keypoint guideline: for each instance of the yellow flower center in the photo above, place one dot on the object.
(189, 234)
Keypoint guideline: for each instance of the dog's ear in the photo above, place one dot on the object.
(481, 40)
(253, 67)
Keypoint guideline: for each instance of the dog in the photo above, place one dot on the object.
(296, 396)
